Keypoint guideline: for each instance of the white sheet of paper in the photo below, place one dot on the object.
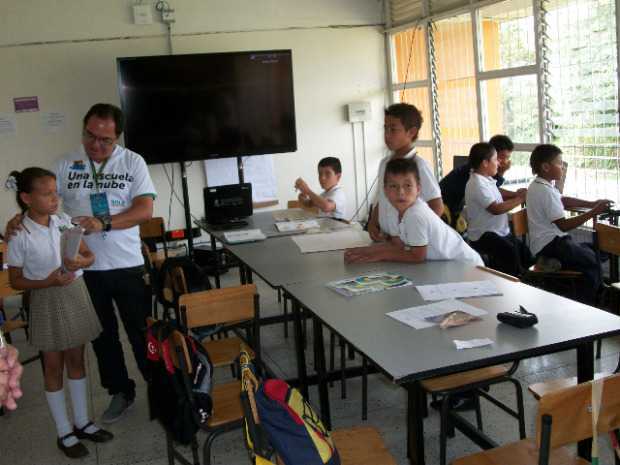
(53, 121)
(415, 316)
(247, 235)
(337, 240)
(7, 124)
(472, 343)
(286, 226)
(70, 242)
(257, 170)
(459, 290)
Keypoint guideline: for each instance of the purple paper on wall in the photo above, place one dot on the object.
(23, 104)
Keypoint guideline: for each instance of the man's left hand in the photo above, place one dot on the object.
(89, 223)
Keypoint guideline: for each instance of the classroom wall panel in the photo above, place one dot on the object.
(332, 66)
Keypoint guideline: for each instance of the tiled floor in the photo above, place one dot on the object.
(27, 435)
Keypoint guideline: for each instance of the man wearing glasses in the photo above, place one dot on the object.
(108, 191)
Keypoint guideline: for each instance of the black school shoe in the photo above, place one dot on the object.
(459, 402)
(75, 451)
(100, 435)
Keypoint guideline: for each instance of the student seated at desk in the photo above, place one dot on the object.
(332, 202)
(453, 184)
(548, 227)
(414, 232)
(487, 213)
(401, 129)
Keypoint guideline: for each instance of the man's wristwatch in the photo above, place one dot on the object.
(106, 221)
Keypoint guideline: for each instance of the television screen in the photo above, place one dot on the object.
(209, 105)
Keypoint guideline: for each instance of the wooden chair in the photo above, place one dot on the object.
(356, 446)
(153, 232)
(477, 383)
(607, 240)
(227, 411)
(564, 417)
(233, 306)
(548, 280)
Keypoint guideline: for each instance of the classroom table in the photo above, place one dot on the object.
(407, 356)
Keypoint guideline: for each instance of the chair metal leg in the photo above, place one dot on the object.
(478, 411)
(195, 451)
(206, 448)
(169, 448)
(443, 430)
(332, 353)
(520, 407)
(285, 305)
(364, 388)
(343, 366)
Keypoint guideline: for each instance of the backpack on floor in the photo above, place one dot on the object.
(294, 429)
(179, 403)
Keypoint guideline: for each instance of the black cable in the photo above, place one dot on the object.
(402, 92)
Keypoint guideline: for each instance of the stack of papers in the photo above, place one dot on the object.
(293, 214)
(460, 290)
(302, 225)
(425, 316)
(472, 343)
(246, 235)
(336, 240)
(368, 283)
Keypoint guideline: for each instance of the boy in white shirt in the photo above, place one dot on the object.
(548, 227)
(332, 202)
(401, 128)
(487, 213)
(415, 233)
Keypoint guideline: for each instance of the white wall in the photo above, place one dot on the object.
(65, 55)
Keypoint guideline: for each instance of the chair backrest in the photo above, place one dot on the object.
(608, 238)
(298, 204)
(519, 223)
(153, 228)
(227, 305)
(571, 411)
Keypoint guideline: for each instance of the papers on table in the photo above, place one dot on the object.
(335, 240)
(472, 343)
(246, 235)
(293, 214)
(368, 283)
(302, 225)
(420, 317)
(70, 242)
(466, 289)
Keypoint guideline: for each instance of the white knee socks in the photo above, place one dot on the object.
(78, 390)
(58, 408)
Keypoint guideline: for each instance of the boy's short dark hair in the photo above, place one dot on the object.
(501, 142)
(402, 166)
(107, 111)
(331, 162)
(543, 153)
(480, 152)
(408, 115)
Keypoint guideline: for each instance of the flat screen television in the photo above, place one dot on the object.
(209, 105)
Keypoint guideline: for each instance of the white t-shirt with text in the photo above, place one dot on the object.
(124, 177)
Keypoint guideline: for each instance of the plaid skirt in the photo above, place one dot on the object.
(62, 317)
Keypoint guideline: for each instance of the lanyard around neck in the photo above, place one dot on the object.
(97, 174)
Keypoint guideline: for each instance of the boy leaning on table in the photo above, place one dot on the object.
(414, 232)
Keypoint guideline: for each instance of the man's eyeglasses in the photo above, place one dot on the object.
(90, 137)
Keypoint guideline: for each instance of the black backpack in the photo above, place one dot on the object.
(179, 403)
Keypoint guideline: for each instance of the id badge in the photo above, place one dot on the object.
(99, 204)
